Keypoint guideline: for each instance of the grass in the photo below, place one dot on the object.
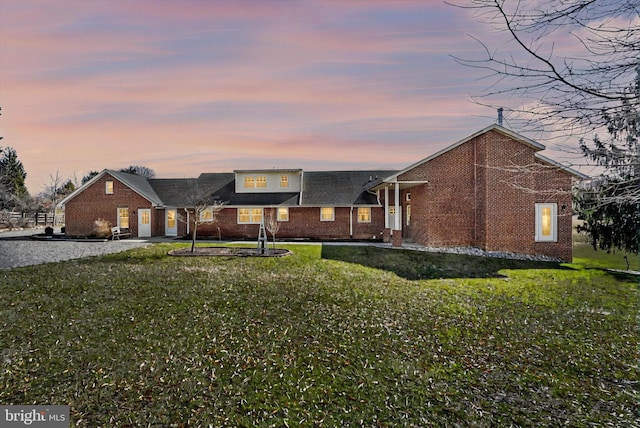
(330, 336)
(584, 254)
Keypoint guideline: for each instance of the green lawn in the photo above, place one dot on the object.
(584, 254)
(326, 337)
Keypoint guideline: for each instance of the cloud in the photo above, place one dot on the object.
(187, 87)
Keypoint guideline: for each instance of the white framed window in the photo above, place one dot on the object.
(123, 218)
(261, 182)
(249, 215)
(283, 214)
(249, 182)
(108, 187)
(408, 211)
(547, 222)
(327, 214)
(206, 215)
(364, 215)
(171, 219)
(284, 181)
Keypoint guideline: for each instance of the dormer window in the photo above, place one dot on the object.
(253, 182)
(284, 181)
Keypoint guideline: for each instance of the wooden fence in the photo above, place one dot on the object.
(27, 219)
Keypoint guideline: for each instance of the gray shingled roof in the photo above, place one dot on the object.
(340, 188)
(174, 192)
(138, 184)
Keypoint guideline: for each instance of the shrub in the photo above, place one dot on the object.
(48, 231)
(101, 228)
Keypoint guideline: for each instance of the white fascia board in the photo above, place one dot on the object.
(493, 127)
(561, 166)
(81, 188)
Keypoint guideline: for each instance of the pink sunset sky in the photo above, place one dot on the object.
(185, 87)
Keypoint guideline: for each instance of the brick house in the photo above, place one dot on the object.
(492, 190)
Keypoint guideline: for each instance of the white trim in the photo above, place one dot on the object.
(494, 127)
(252, 216)
(278, 213)
(562, 167)
(128, 217)
(552, 235)
(358, 214)
(171, 231)
(333, 214)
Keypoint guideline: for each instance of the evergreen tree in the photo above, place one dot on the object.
(12, 179)
(140, 170)
(89, 176)
(610, 203)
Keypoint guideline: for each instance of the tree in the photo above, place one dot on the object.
(575, 66)
(273, 225)
(573, 60)
(13, 191)
(89, 176)
(610, 203)
(142, 171)
(57, 189)
(202, 207)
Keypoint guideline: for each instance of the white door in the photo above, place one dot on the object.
(144, 222)
(171, 222)
(392, 217)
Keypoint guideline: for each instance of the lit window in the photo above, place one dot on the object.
(283, 214)
(327, 214)
(123, 218)
(261, 182)
(364, 215)
(145, 217)
(547, 222)
(244, 215)
(171, 219)
(249, 215)
(256, 215)
(108, 187)
(284, 181)
(206, 215)
(249, 183)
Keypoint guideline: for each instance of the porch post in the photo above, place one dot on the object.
(396, 217)
(386, 207)
(396, 239)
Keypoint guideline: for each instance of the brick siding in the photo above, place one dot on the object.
(304, 222)
(93, 203)
(483, 194)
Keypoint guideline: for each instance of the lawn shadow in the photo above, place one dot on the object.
(414, 265)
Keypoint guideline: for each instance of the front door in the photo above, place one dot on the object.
(144, 222)
(171, 224)
(392, 217)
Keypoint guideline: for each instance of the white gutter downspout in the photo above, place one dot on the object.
(351, 222)
(187, 211)
(301, 186)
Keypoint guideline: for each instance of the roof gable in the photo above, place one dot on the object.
(493, 127)
(137, 183)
